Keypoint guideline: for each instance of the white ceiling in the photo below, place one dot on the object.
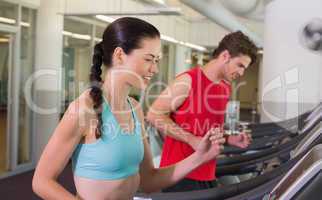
(213, 32)
(188, 13)
(250, 20)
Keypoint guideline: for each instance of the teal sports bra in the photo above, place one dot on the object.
(115, 155)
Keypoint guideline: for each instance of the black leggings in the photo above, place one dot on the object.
(189, 185)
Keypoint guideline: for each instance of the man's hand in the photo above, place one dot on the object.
(241, 140)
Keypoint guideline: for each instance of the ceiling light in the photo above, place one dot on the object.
(194, 46)
(77, 36)
(168, 38)
(159, 1)
(98, 39)
(105, 18)
(7, 20)
(4, 40)
(169, 11)
(67, 33)
(25, 24)
(187, 44)
(80, 36)
(13, 21)
(155, 2)
(150, 11)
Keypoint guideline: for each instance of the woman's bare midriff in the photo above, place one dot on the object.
(123, 189)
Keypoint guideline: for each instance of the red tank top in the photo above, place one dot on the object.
(204, 107)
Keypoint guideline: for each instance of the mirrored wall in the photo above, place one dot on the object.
(17, 52)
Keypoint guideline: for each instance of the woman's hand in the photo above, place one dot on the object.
(194, 141)
(210, 145)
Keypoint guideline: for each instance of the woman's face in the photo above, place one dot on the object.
(141, 64)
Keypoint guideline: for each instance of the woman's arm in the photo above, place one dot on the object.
(154, 179)
(56, 155)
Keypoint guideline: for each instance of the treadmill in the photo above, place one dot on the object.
(271, 142)
(302, 182)
(286, 152)
(264, 181)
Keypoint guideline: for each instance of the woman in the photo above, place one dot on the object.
(103, 129)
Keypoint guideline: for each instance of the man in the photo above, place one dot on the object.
(196, 102)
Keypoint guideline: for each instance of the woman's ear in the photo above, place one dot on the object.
(118, 56)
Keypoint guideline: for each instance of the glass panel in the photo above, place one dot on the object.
(99, 33)
(4, 78)
(98, 38)
(8, 13)
(76, 58)
(27, 62)
(164, 65)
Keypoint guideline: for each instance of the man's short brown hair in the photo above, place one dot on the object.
(237, 43)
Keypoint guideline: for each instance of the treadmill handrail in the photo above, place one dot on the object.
(314, 112)
(259, 143)
(296, 166)
(302, 180)
(307, 140)
(255, 155)
(244, 167)
(311, 122)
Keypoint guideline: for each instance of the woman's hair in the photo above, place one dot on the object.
(126, 33)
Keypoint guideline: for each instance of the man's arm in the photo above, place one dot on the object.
(168, 101)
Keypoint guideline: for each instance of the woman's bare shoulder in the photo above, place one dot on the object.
(80, 108)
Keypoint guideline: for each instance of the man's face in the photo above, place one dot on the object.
(235, 67)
